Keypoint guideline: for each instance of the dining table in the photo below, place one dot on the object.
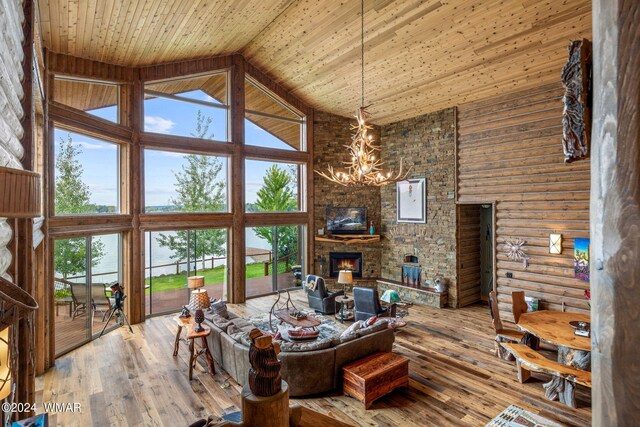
(553, 327)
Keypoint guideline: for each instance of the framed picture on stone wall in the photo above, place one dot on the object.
(411, 200)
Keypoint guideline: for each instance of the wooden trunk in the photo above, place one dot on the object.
(374, 376)
(271, 411)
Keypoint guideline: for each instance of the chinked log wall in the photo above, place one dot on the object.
(510, 152)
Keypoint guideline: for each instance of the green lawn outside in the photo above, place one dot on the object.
(211, 276)
(178, 281)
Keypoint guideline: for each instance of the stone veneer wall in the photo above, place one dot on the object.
(426, 143)
(330, 134)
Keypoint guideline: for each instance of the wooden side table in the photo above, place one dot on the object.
(204, 349)
(182, 322)
(374, 376)
(192, 336)
(345, 312)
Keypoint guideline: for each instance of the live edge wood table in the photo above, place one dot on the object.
(192, 336)
(573, 350)
(374, 376)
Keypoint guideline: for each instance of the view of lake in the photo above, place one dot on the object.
(160, 255)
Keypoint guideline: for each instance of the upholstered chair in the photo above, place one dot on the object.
(320, 299)
(367, 304)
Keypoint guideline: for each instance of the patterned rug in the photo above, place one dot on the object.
(329, 327)
(514, 416)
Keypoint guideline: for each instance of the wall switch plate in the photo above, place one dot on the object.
(509, 275)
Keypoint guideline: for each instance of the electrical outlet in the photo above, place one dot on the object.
(509, 275)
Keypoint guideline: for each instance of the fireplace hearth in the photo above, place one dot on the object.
(345, 261)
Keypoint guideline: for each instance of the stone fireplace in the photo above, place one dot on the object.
(345, 261)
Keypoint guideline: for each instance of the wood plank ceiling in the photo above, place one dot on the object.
(420, 55)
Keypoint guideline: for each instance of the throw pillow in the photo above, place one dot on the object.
(311, 285)
(351, 330)
(371, 320)
(219, 308)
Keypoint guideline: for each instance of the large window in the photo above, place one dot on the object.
(192, 107)
(87, 178)
(172, 256)
(96, 98)
(164, 166)
(274, 258)
(177, 182)
(269, 122)
(272, 186)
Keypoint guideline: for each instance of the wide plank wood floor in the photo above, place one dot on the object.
(125, 379)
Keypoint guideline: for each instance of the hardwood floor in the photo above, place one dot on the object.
(128, 379)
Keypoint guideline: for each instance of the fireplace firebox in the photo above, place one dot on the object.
(345, 261)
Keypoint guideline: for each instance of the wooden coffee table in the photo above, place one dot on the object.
(307, 322)
(374, 376)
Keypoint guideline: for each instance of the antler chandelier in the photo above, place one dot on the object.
(364, 167)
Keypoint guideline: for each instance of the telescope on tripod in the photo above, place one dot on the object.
(116, 309)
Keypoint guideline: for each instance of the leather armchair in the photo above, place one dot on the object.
(321, 299)
(367, 304)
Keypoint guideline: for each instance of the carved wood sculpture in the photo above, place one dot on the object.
(576, 115)
(264, 375)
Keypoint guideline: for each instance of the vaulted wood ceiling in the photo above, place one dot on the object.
(420, 56)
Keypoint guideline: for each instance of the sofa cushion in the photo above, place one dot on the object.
(219, 321)
(378, 326)
(241, 323)
(351, 330)
(296, 346)
(219, 308)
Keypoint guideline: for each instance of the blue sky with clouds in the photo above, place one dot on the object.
(99, 158)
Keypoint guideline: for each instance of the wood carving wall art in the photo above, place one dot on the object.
(576, 115)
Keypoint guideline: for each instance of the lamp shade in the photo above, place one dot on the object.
(345, 277)
(390, 296)
(555, 243)
(199, 300)
(5, 369)
(195, 282)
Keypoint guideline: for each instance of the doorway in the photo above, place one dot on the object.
(475, 252)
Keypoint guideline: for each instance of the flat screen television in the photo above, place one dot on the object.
(347, 220)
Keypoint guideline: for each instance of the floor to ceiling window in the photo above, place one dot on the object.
(150, 200)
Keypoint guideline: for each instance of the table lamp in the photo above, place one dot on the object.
(193, 282)
(345, 277)
(390, 296)
(199, 301)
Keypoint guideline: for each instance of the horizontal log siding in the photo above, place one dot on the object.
(510, 152)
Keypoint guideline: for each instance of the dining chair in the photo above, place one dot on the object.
(518, 304)
(502, 334)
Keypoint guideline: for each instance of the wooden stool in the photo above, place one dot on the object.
(183, 322)
(374, 376)
(204, 349)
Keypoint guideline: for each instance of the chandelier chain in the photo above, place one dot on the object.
(362, 51)
(363, 164)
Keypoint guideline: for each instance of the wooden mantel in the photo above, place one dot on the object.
(348, 239)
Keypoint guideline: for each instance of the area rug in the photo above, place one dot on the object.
(328, 327)
(515, 416)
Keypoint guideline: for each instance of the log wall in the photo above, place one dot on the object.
(468, 259)
(510, 152)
